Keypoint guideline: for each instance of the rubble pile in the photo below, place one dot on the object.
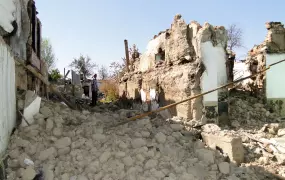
(258, 56)
(65, 144)
(249, 112)
(262, 149)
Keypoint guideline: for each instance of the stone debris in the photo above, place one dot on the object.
(224, 167)
(29, 173)
(229, 144)
(78, 145)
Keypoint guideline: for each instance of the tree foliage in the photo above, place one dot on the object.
(54, 75)
(235, 37)
(110, 89)
(47, 53)
(134, 52)
(103, 72)
(83, 65)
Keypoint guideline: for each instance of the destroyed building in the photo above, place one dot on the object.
(183, 61)
(268, 85)
(20, 55)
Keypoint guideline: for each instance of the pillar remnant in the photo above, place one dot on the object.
(127, 54)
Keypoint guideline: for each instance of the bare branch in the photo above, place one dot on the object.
(103, 72)
(235, 37)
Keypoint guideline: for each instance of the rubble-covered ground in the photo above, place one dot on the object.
(64, 144)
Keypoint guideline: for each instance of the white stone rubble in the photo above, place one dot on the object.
(69, 145)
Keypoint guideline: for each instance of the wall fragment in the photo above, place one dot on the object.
(192, 52)
(7, 95)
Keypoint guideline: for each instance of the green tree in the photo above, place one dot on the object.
(47, 53)
(83, 65)
(54, 75)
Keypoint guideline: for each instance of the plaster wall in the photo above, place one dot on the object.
(7, 95)
(7, 10)
(214, 59)
(148, 58)
(275, 84)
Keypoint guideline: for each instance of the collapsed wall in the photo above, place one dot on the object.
(269, 85)
(182, 61)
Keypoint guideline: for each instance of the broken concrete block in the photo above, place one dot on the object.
(176, 127)
(64, 151)
(48, 153)
(105, 156)
(281, 132)
(160, 137)
(208, 128)
(151, 164)
(46, 112)
(263, 160)
(138, 142)
(63, 142)
(206, 155)
(29, 173)
(49, 124)
(280, 158)
(270, 128)
(224, 167)
(230, 145)
(32, 107)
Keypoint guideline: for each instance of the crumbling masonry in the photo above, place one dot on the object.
(20, 54)
(182, 61)
(269, 85)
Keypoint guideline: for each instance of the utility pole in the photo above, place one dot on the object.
(127, 54)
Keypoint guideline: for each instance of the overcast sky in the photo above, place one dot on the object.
(98, 28)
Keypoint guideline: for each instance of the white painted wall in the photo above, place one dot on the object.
(275, 84)
(7, 10)
(7, 95)
(214, 58)
(148, 58)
